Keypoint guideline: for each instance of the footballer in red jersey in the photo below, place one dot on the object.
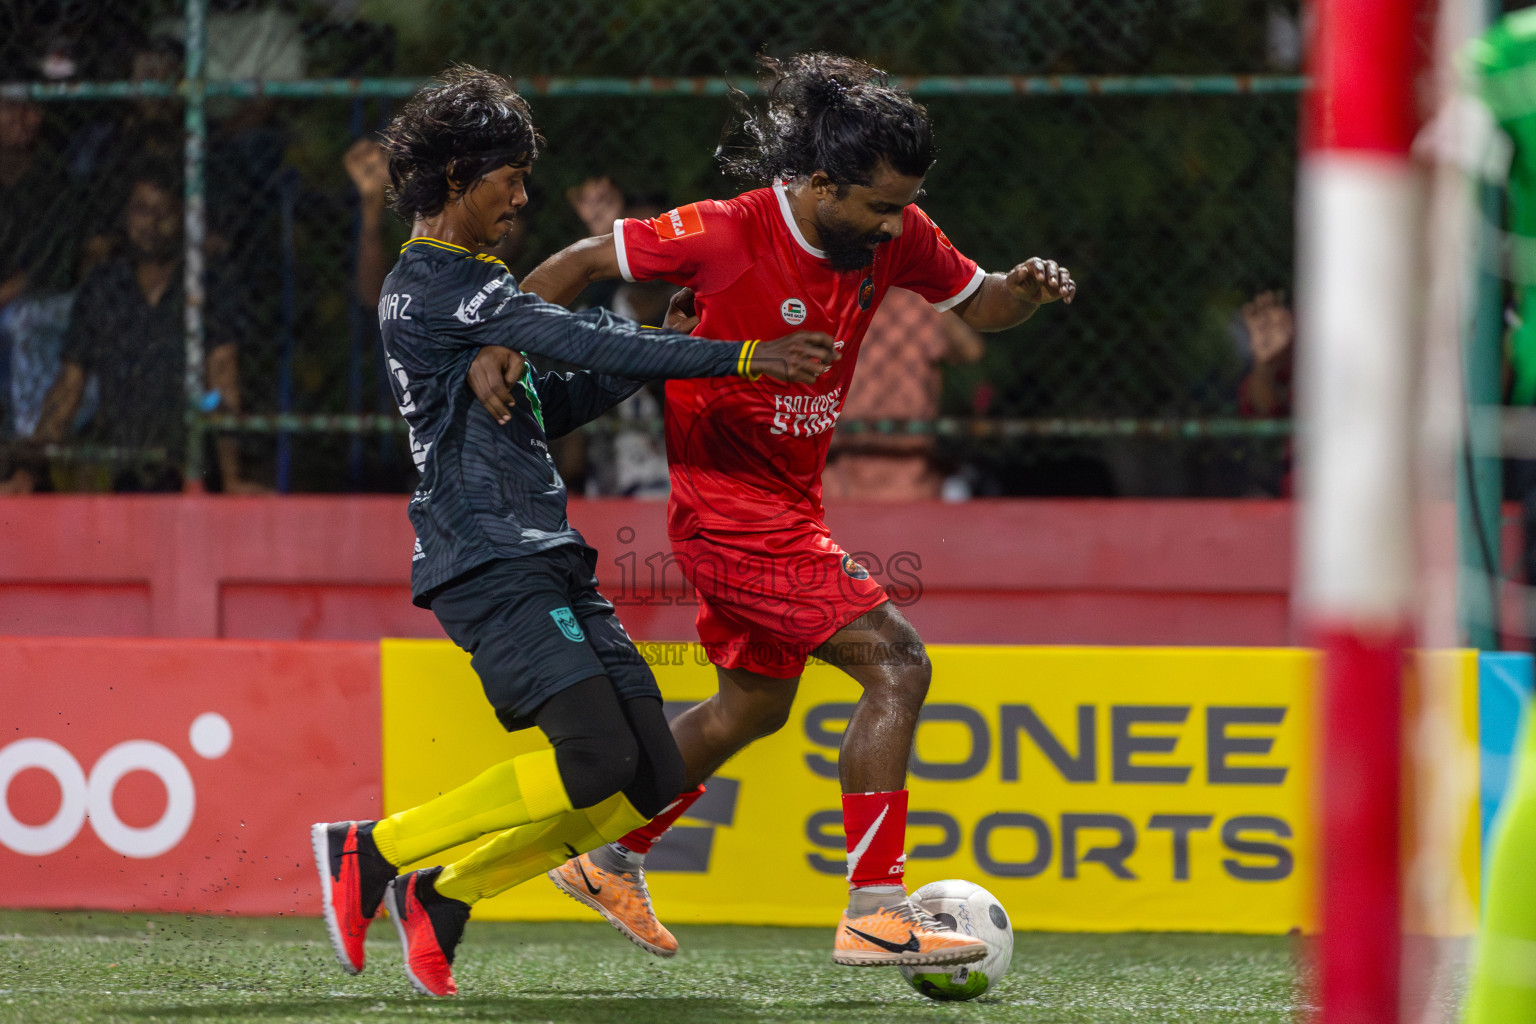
(843, 156)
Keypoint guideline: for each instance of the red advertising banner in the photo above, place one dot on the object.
(180, 775)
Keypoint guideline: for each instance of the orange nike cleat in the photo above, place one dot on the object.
(905, 934)
(622, 899)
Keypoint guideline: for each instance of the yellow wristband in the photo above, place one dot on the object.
(744, 361)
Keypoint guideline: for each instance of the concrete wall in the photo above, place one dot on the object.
(337, 568)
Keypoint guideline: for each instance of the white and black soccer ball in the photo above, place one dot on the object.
(971, 910)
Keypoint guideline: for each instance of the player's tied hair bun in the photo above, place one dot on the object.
(465, 124)
(825, 112)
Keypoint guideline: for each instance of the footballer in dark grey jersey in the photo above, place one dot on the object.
(495, 557)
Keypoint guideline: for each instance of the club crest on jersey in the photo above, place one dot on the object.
(793, 311)
(854, 569)
(566, 620)
(866, 293)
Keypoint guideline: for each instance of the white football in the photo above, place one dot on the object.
(967, 908)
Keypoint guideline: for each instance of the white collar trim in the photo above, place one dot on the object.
(789, 219)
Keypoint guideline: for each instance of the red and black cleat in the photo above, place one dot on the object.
(430, 928)
(353, 875)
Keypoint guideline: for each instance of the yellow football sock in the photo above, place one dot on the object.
(517, 855)
(526, 788)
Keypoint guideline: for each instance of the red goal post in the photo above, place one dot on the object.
(1360, 220)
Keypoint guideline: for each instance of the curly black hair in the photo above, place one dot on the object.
(464, 125)
(829, 113)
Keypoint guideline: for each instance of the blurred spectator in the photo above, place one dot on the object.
(127, 327)
(32, 331)
(39, 213)
(898, 378)
(598, 202)
(100, 153)
(247, 142)
(368, 166)
(1265, 390)
(39, 245)
(627, 456)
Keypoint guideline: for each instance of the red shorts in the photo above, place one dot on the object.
(767, 600)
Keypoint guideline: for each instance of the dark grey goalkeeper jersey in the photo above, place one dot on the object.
(489, 491)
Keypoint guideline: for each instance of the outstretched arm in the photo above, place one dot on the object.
(561, 278)
(1004, 300)
(595, 339)
(799, 357)
(497, 313)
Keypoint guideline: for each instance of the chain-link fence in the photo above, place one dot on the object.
(1147, 144)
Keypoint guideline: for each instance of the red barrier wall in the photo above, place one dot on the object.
(180, 774)
(337, 568)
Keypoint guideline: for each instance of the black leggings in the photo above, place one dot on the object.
(605, 746)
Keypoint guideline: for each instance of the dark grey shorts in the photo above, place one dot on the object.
(535, 625)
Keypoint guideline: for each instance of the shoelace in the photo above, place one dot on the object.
(914, 913)
(639, 877)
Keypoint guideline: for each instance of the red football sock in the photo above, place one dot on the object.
(876, 828)
(641, 839)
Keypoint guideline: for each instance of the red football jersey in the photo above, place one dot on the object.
(748, 455)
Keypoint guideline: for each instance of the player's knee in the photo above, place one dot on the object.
(904, 682)
(593, 768)
(770, 719)
(754, 720)
(915, 679)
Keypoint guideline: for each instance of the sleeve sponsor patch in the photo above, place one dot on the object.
(937, 231)
(679, 223)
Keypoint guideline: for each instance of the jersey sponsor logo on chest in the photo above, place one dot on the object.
(806, 415)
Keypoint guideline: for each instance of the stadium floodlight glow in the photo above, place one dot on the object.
(1360, 216)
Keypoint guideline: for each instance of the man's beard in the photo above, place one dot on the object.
(846, 249)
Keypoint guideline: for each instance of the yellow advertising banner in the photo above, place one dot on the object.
(1090, 789)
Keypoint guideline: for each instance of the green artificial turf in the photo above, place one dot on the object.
(77, 967)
